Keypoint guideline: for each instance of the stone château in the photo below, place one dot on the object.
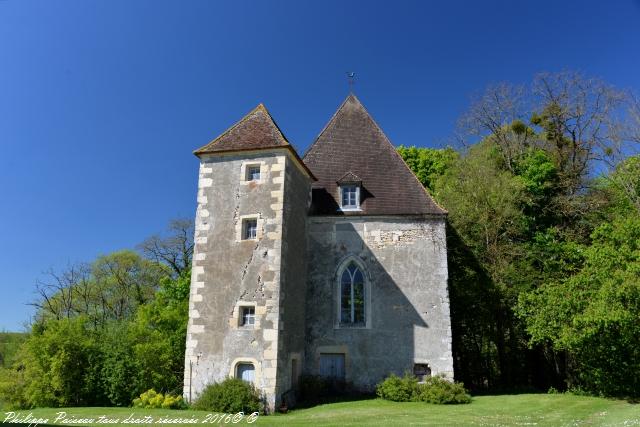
(333, 264)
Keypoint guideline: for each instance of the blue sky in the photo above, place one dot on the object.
(102, 102)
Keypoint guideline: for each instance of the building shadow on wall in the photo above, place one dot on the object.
(373, 353)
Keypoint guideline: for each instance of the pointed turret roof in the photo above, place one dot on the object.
(255, 131)
(352, 143)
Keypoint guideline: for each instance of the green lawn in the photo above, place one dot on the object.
(506, 410)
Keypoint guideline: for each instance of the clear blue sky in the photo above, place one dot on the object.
(102, 102)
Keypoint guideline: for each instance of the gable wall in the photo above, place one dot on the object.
(405, 262)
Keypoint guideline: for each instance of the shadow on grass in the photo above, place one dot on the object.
(337, 398)
(507, 391)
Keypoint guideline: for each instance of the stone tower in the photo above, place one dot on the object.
(253, 197)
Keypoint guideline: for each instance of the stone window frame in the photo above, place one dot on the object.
(247, 316)
(236, 316)
(257, 373)
(334, 349)
(250, 229)
(342, 265)
(240, 227)
(244, 170)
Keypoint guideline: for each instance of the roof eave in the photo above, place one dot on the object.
(200, 152)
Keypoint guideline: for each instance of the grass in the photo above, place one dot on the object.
(504, 410)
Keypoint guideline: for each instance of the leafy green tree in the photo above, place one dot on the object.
(594, 313)
(428, 163)
(57, 364)
(158, 337)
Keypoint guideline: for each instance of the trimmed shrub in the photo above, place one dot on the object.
(152, 399)
(398, 389)
(441, 391)
(230, 396)
(433, 390)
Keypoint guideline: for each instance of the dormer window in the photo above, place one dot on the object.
(350, 196)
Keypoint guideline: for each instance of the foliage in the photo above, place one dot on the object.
(57, 365)
(230, 396)
(594, 313)
(104, 333)
(398, 389)
(12, 389)
(624, 183)
(433, 390)
(111, 288)
(152, 399)
(440, 391)
(158, 336)
(10, 343)
(428, 163)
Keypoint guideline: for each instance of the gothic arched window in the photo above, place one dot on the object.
(352, 298)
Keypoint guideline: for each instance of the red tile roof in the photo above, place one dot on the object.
(255, 131)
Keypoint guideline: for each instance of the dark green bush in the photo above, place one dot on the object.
(441, 391)
(230, 396)
(398, 389)
(313, 388)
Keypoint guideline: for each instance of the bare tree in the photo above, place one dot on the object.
(174, 250)
(500, 113)
(58, 296)
(578, 117)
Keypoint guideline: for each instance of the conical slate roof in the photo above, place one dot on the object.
(353, 143)
(256, 130)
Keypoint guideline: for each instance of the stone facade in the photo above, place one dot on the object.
(406, 281)
(287, 275)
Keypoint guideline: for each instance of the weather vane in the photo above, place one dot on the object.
(351, 75)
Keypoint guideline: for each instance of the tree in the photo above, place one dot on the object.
(577, 117)
(593, 314)
(499, 114)
(428, 163)
(110, 288)
(175, 250)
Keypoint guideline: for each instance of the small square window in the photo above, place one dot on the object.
(253, 173)
(349, 196)
(248, 316)
(249, 229)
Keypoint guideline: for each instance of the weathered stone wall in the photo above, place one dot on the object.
(297, 193)
(229, 272)
(289, 274)
(408, 320)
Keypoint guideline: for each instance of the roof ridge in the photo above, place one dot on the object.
(262, 107)
(351, 94)
(395, 152)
